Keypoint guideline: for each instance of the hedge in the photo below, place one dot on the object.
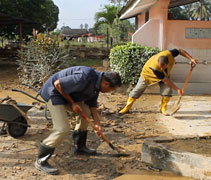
(128, 60)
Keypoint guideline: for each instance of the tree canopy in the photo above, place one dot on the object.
(201, 10)
(107, 16)
(43, 12)
(118, 2)
(193, 11)
(108, 19)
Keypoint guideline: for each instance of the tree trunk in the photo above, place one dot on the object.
(111, 37)
(201, 9)
(107, 39)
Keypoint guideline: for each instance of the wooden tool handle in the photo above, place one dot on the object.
(120, 151)
(93, 126)
(188, 77)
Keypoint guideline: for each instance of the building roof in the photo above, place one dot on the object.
(7, 19)
(74, 32)
(135, 7)
(176, 3)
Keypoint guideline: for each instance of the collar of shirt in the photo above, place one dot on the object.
(100, 75)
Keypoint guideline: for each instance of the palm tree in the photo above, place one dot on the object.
(187, 11)
(118, 2)
(201, 11)
(108, 17)
(208, 7)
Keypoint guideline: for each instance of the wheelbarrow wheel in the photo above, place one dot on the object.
(15, 129)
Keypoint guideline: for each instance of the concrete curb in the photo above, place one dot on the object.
(179, 162)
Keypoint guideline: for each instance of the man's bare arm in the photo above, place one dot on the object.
(168, 82)
(96, 120)
(188, 56)
(75, 106)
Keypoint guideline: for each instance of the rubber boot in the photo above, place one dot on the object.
(163, 105)
(129, 104)
(45, 152)
(79, 143)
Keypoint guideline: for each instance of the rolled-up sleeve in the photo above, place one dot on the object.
(73, 83)
(174, 52)
(158, 74)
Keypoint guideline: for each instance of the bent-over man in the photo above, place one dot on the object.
(76, 89)
(157, 70)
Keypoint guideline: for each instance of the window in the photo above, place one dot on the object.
(146, 16)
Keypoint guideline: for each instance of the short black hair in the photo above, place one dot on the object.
(163, 60)
(113, 78)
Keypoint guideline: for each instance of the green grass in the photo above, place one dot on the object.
(84, 62)
(86, 44)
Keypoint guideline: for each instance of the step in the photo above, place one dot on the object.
(191, 88)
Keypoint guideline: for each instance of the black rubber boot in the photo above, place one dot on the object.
(45, 152)
(79, 143)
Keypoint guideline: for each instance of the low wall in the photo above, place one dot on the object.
(148, 34)
(83, 52)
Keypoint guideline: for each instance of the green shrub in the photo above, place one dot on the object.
(39, 59)
(129, 59)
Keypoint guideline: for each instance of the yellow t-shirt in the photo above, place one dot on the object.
(148, 75)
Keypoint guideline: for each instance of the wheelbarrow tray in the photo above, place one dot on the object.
(9, 113)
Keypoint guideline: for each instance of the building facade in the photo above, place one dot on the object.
(156, 28)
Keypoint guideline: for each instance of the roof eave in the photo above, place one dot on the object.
(176, 3)
(131, 8)
(136, 8)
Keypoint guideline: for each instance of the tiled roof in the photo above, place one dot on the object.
(74, 31)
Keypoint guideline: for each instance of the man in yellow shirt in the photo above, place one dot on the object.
(157, 70)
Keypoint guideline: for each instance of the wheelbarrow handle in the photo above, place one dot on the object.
(18, 90)
(28, 85)
(35, 98)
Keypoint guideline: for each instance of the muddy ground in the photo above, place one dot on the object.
(196, 145)
(17, 156)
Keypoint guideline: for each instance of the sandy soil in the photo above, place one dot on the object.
(195, 145)
(17, 156)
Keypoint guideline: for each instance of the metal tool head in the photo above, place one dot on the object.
(172, 110)
(121, 151)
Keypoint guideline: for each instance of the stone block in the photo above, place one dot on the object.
(179, 162)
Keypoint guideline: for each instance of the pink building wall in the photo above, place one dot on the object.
(170, 31)
(141, 20)
(145, 37)
(167, 34)
(176, 34)
(158, 12)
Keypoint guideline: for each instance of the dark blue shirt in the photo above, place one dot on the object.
(80, 82)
